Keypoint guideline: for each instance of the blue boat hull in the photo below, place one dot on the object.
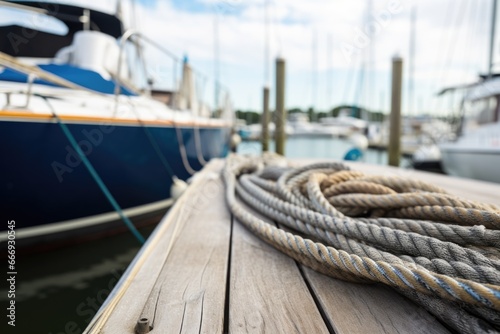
(43, 181)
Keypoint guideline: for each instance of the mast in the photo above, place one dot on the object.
(216, 62)
(371, 60)
(329, 72)
(411, 65)
(266, 45)
(314, 95)
(492, 38)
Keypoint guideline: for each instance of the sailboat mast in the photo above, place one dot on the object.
(216, 61)
(329, 74)
(411, 83)
(266, 43)
(314, 99)
(492, 38)
(371, 60)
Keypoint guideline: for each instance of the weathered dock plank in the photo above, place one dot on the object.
(181, 286)
(189, 295)
(267, 292)
(363, 308)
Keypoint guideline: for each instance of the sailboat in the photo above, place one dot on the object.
(476, 152)
(83, 149)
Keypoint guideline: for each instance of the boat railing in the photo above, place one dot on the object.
(132, 35)
(128, 35)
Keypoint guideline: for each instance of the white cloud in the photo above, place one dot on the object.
(451, 47)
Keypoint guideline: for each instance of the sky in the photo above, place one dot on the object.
(336, 51)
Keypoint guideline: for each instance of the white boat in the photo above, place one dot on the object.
(416, 132)
(343, 125)
(476, 152)
(300, 124)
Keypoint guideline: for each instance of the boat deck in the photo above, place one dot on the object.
(203, 272)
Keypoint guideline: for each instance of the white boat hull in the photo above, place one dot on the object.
(472, 163)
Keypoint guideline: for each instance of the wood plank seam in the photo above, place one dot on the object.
(268, 293)
(320, 307)
(228, 280)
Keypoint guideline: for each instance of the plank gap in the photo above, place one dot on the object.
(228, 279)
(316, 300)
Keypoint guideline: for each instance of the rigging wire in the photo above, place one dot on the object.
(348, 86)
(468, 52)
(94, 174)
(199, 81)
(314, 78)
(277, 30)
(196, 127)
(153, 142)
(361, 82)
(329, 73)
(267, 73)
(411, 80)
(448, 59)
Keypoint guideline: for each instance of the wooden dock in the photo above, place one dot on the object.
(203, 272)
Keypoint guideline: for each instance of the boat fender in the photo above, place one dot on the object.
(354, 154)
(359, 141)
(235, 141)
(178, 187)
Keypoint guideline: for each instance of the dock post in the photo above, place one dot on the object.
(280, 112)
(394, 147)
(265, 121)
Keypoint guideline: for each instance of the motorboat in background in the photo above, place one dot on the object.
(476, 151)
(344, 125)
(81, 88)
(416, 132)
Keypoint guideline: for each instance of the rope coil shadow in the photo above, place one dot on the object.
(435, 248)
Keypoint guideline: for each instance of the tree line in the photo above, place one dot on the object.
(253, 117)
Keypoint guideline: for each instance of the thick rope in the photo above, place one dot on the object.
(441, 251)
(182, 150)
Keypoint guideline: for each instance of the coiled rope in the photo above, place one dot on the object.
(437, 249)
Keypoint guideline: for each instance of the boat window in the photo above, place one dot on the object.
(482, 111)
(33, 21)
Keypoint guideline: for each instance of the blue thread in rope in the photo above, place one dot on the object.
(474, 294)
(382, 271)
(401, 277)
(496, 293)
(446, 287)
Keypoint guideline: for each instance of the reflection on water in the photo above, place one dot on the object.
(60, 291)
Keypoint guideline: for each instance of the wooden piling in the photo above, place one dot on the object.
(280, 112)
(265, 121)
(394, 147)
